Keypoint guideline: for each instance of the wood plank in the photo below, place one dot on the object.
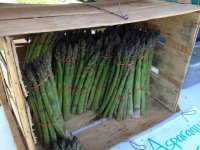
(112, 132)
(171, 62)
(164, 91)
(1, 45)
(21, 53)
(181, 29)
(20, 99)
(12, 5)
(10, 95)
(66, 10)
(77, 122)
(36, 25)
(19, 144)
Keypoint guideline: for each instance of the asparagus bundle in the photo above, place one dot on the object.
(118, 75)
(148, 39)
(89, 62)
(43, 97)
(102, 73)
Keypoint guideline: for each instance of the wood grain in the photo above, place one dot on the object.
(164, 91)
(18, 139)
(65, 10)
(112, 132)
(20, 99)
(171, 62)
(181, 29)
(136, 14)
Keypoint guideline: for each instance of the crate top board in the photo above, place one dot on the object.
(23, 19)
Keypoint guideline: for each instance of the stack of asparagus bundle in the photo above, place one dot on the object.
(103, 70)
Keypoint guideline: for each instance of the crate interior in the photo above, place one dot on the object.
(169, 69)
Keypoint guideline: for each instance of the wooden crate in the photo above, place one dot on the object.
(178, 24)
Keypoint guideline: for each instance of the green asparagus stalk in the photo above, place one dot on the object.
(82, 44)
(47, 95)
(32, 78)
(111, 85)
(67, 85)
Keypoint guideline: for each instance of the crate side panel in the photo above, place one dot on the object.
(20, 99)
(18, 139)
(181, 29)
(164, 91)
(171, 62)
(58, 23)
(112, 132)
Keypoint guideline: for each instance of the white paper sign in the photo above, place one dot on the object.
(181, 133)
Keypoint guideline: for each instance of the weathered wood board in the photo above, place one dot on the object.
(164, 91)
(18, 140)
(178, 29)
(171, 62)
(87, 17)
(18, 93)
(112, 132)
(173, 56)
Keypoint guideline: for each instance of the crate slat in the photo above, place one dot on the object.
(36, 25)
(18, 92)
(179, 29)
(67, 10)
(171, 62)
(164, 91)
(18, 141)
(109, 133)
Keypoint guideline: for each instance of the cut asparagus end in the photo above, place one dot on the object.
(137, 113)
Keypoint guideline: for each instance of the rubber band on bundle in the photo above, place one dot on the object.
(99, 86)
(79, 91)
(30, 88)
(147, 74)
(121, 97)
(140, 88)
(44, 41)
(66, 60)
(124, 64)
(142, 56)
(86, 71)
(47, 123)
(65, 90)
(105, 57)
